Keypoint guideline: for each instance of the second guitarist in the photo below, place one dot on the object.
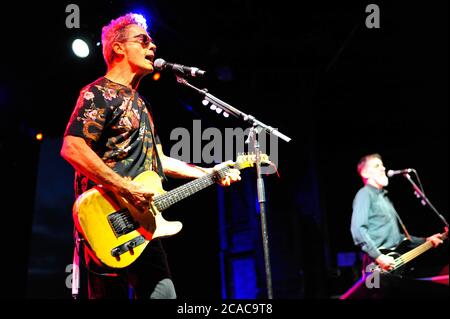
(375, 224)
(110, 139)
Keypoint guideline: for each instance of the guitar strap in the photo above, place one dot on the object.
(403, 226)
(159, 167)
(76, 267)
(400, 221)
(158, 160)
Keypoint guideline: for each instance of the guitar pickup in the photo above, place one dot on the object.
(127, 246)
(122, 223)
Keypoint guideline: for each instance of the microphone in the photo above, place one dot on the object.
(391, 173)
(161, 65)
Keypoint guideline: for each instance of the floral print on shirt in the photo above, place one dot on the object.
(116, 124)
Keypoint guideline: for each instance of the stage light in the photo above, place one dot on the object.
(39, 136)
(80, 48)
(156, 76)
(205, 102)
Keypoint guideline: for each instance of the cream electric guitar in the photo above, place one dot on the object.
(117, 232)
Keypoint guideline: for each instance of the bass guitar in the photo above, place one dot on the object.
(402, 255)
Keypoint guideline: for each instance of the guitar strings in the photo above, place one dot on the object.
(412, 254)
(171, 197)
(167, 199)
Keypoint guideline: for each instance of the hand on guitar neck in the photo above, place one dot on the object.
(231, 175)
(436, 239)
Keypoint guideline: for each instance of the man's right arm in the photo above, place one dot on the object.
(76, 151)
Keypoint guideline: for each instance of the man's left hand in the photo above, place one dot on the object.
(435, 239)
(231, 176)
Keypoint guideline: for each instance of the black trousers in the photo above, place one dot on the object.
(146, 277)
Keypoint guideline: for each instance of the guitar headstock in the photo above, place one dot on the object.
(248, 160)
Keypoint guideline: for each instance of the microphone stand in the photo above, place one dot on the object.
(232, 110)
(257, 128)
(420, 194)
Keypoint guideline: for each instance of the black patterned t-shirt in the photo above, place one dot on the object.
(114, 121)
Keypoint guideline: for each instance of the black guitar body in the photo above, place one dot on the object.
(401, 282)
(397, 252)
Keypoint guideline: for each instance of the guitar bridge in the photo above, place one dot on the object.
(128, 246)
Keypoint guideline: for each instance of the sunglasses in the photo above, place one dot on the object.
(142, 38)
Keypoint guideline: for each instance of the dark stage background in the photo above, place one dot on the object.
(312, 69)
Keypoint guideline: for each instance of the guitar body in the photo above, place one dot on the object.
(116, 231)
(396, 253)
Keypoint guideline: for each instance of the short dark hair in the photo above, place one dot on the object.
(362, 162)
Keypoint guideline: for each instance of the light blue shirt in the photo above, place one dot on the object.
(374, 222)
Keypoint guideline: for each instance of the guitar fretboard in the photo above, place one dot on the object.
(410, 255)
(166, 200)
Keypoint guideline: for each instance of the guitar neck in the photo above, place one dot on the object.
(410, 255)
(166, 200)
(413, 253)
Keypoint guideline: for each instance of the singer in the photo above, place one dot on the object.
(109, 140)
(375, 223)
